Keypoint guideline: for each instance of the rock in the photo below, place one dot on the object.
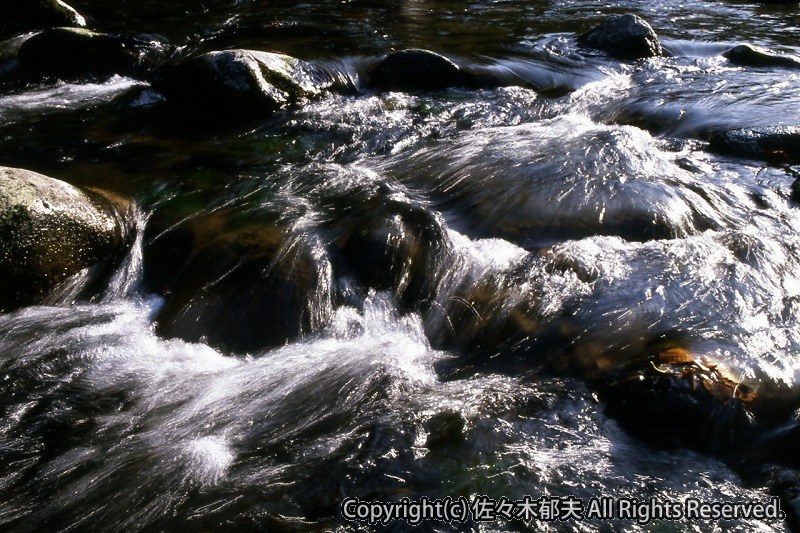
(795, 191)
(242, 82)
(751, 56)
(70, 53)
(681, 398)
(49, 231)
(422, 70)
(626, 37)
(17, 16)
(238, 285)
(73, 54)
(445, 430)
(774, 144)
(392, 245)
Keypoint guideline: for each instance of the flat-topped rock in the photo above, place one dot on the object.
(776, 144)
(753, 56)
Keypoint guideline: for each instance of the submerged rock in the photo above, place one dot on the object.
(751, 56)
(422, 70)
(49, 231)
(775, 144)
(239, 286)
(623, 37)
(17, 16)
(242, 82)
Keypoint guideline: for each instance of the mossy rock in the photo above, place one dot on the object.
(241, 82)
(49, 231)
(17, 16)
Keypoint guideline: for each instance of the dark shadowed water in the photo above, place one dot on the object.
(480, 267)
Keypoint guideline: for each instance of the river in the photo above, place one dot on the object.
(465, 278)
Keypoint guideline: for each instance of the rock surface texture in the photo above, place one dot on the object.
(422, 70)
(241, 82)
(777, 144)
(17, 16)
(49, 231)
(626, 37)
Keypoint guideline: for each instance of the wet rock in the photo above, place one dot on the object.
(73, 54)
(49, 231)
(242, 82)
(422, 70)
(751, 56)
(17, 16)
(678, 397)
(445, 430)
(397, 246)
(776, 144)
(626, 37)
(795, 194)
(70, 53)
(240, 286)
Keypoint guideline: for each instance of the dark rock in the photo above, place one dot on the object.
(240, 286)
(17, 16)
(69, 53)
(77, 54)
(795, 195)
(776, 144)
(394, 245)
(751, 56)
(679, 398)
(49, 231)
(422, 70)
(623, 37)
(242, 82)
(445, 430)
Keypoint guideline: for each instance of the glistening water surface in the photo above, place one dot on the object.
(391, 294)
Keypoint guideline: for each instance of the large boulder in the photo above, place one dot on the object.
(752, 56)
(72, 53)
(242, 82)
(239, 281)
(422, 70)
(77, 54)
(49, 231)
(626, 37)
(774, 144)
(17, 16)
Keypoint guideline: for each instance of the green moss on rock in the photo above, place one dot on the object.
(49, 231)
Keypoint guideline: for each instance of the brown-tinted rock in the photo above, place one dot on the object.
(239, 286)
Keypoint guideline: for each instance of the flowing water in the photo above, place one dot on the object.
(477, 266)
